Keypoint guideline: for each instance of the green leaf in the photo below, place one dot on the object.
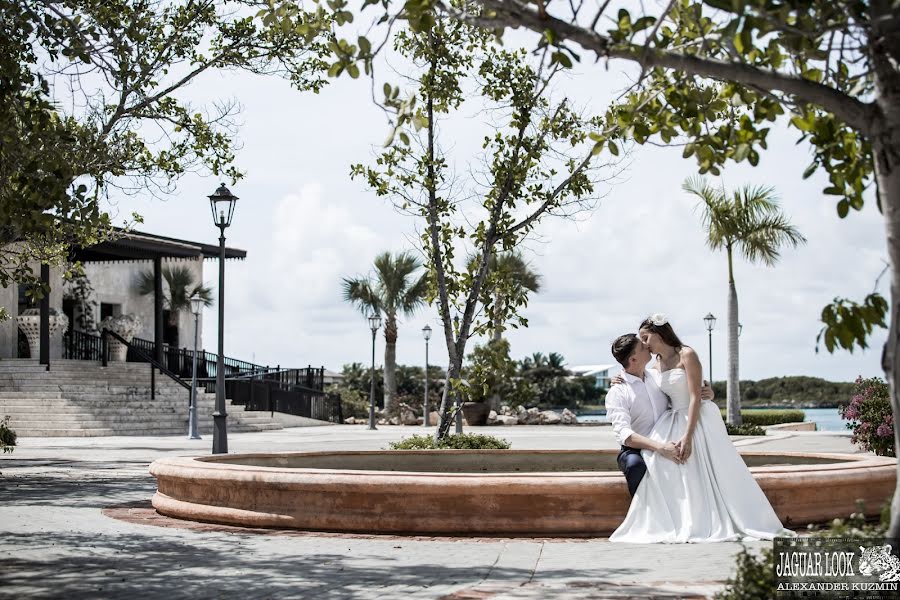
(843, 208)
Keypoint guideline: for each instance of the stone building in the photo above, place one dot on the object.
(112, 270)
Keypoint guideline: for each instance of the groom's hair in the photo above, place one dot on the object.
(623, 346)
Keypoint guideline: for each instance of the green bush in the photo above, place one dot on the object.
(353, 403)
(745, 429)
(754, 578)
(7, 435)
(460, 441)
(770, 416)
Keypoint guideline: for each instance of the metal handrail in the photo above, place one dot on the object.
(142, 354)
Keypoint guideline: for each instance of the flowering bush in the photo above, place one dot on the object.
(870, 417)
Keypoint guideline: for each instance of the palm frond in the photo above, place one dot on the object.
(749, 219)
(360, 294)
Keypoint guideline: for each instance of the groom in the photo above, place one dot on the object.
(634, 407)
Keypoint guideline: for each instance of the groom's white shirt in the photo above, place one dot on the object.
(635, 406)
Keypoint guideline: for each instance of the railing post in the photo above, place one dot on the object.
(152, 382)
(104, 348)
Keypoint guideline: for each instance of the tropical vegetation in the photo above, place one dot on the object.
(749, 222)
(394, 290)
(178, 289)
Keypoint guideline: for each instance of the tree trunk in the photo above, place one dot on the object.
(733, 389)
(887, 173)
(390, 361)
(448, 400)
(494, 400)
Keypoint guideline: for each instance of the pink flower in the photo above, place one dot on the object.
(851, 413)
(885, 431)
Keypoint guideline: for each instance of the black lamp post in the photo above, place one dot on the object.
(710, 321)
(196, 308)
(222, 203)
(426, 333)
(374, 324)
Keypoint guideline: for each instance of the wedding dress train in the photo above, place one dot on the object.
(712, 497)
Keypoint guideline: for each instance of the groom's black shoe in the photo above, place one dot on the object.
(631, 463)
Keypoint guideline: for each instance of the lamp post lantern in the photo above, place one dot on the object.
(426, 333)
(740, 328)
(196, 308)
(710, 321)
(374, 324)
(222, 203)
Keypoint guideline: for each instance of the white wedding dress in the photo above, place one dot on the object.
(712, 497)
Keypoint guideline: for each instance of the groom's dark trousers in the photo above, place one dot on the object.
(632, 464)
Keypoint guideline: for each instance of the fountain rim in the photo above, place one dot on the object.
(220, 462)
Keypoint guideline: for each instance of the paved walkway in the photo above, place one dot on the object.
(60, 540)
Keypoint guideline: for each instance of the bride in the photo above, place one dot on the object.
(709, 497)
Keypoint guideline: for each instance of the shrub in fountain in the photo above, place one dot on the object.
(460, 441)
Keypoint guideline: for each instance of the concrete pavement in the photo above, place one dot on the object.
(75, 523)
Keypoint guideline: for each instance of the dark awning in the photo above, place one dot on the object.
(135, 245)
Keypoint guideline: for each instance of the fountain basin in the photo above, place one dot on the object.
(474, 492)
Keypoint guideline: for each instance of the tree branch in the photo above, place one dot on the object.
(862, 116)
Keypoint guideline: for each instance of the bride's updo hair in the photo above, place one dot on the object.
(665, 332)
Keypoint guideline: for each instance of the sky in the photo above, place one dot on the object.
(305, 224)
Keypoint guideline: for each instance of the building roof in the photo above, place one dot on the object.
(592, 369)
(136, 245)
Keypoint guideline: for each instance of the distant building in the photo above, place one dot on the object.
(601, 373)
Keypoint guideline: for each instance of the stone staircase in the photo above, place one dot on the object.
(78, 398)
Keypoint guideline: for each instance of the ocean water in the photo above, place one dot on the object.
(826, 419)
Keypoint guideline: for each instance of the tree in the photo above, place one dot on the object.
(395, 290)
(536, 163)
(180, 287)
(748, 222)
(90, 99)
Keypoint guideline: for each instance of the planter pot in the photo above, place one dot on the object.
(125, 326)
(476, 413)
(30, 324)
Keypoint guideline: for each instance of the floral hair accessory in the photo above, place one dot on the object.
(658, 319)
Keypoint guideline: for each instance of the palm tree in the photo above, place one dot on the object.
(509, 276)
(509, 279)
(177, 298)
(393, 290)
(749, 222)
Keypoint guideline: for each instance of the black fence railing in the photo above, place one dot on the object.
(294, 391)
(78, 345)
(266, 394)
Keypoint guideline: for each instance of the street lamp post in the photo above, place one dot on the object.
(222, 203)
(374, 324)
(426, 333)
(710, 321)
(196, 307)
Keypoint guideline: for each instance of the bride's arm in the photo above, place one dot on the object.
(694, 375)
